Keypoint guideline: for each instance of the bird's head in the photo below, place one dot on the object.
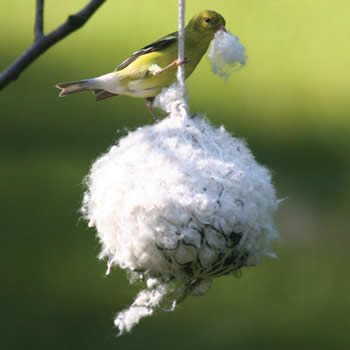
(207, 22)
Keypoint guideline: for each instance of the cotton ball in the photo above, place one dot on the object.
(226, 53)
(177, 204)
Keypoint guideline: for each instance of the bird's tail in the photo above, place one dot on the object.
(74, 86)
(101, 86)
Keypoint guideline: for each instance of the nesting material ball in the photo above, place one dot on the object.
(177, 204)
(226, 53)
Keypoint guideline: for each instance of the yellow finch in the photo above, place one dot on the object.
(147, 71)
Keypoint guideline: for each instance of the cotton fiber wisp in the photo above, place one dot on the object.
(226, 53)
(177, 204)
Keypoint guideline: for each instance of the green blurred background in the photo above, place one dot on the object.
(291, 103)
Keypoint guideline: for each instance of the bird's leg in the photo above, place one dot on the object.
(172, 64)
(149, 102)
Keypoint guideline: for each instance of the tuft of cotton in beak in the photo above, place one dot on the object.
(226, 53)
(178, 204)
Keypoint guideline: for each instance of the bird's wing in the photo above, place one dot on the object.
(156, 46)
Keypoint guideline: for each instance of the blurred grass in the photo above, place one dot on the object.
(291, 105)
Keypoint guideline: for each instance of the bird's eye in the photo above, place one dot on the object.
(207, 19)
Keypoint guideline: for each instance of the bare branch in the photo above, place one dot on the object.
(44, 42)
(39, 20)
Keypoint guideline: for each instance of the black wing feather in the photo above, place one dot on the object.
(156, 46)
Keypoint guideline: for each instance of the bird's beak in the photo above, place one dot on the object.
(222, 28)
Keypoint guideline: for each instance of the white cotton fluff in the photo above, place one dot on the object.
(226, 53)
(177, 204)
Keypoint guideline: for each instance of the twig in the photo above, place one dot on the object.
(43, 42)
(39, 20)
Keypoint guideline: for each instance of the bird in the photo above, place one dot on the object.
(147, 71)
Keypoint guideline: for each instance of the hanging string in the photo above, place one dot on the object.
(181, 56)
(181, 43)
(173, 100)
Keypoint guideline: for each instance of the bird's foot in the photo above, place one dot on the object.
(149, 107)
(180, 62)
